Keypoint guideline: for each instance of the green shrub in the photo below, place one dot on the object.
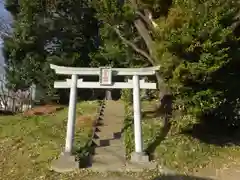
(198, 49)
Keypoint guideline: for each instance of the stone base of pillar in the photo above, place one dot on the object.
(65, 163)
(139, 157)
(140, 162)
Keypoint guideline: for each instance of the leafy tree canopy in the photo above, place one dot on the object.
(196, 43)
(63, 35)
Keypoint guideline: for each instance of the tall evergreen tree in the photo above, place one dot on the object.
(64, 34)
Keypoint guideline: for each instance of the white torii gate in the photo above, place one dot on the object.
(105, 82)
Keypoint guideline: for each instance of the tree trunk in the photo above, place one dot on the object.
(165, 102)
(144, 33)
(142, 24)
(165, 96)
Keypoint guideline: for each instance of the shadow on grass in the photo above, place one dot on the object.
(6, 113)
(216, 130)
(164, 111)
(180, 177)
(162, 135)
(220, 124)
(214, 134)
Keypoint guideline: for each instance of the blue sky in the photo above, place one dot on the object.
(2, 10)
(6, 17)
(4, 14)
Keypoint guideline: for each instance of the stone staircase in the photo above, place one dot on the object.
(109, 151)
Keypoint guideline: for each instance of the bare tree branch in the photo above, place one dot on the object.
(2, 96)
(147, 19)
(145, 34)
(236, 24)
(137, 39)
(134, 46)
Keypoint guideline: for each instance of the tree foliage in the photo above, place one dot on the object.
(198, 48)
(63, 35)
(196, 43)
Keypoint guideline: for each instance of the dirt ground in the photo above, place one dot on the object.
(43, 110)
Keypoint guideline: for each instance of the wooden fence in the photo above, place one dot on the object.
(14, 102)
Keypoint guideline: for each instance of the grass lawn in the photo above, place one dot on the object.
(179, 151)
(184, 153)
(29, 144)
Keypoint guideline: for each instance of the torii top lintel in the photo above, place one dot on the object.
(96, 71)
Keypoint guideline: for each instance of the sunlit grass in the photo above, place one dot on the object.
(28, 145)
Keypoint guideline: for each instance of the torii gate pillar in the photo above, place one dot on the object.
(71, 115)
(67, 162)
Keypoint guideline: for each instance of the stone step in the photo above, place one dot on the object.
(106, 168)
(111, 124)
(108, 122)
(120, 150)
(106, 127)
(107, 135)
(111, 113)
(107, 165)
(109, 151)
(107, 142)
(112, 119)
(108, 158)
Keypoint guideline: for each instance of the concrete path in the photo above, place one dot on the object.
(110, 152)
